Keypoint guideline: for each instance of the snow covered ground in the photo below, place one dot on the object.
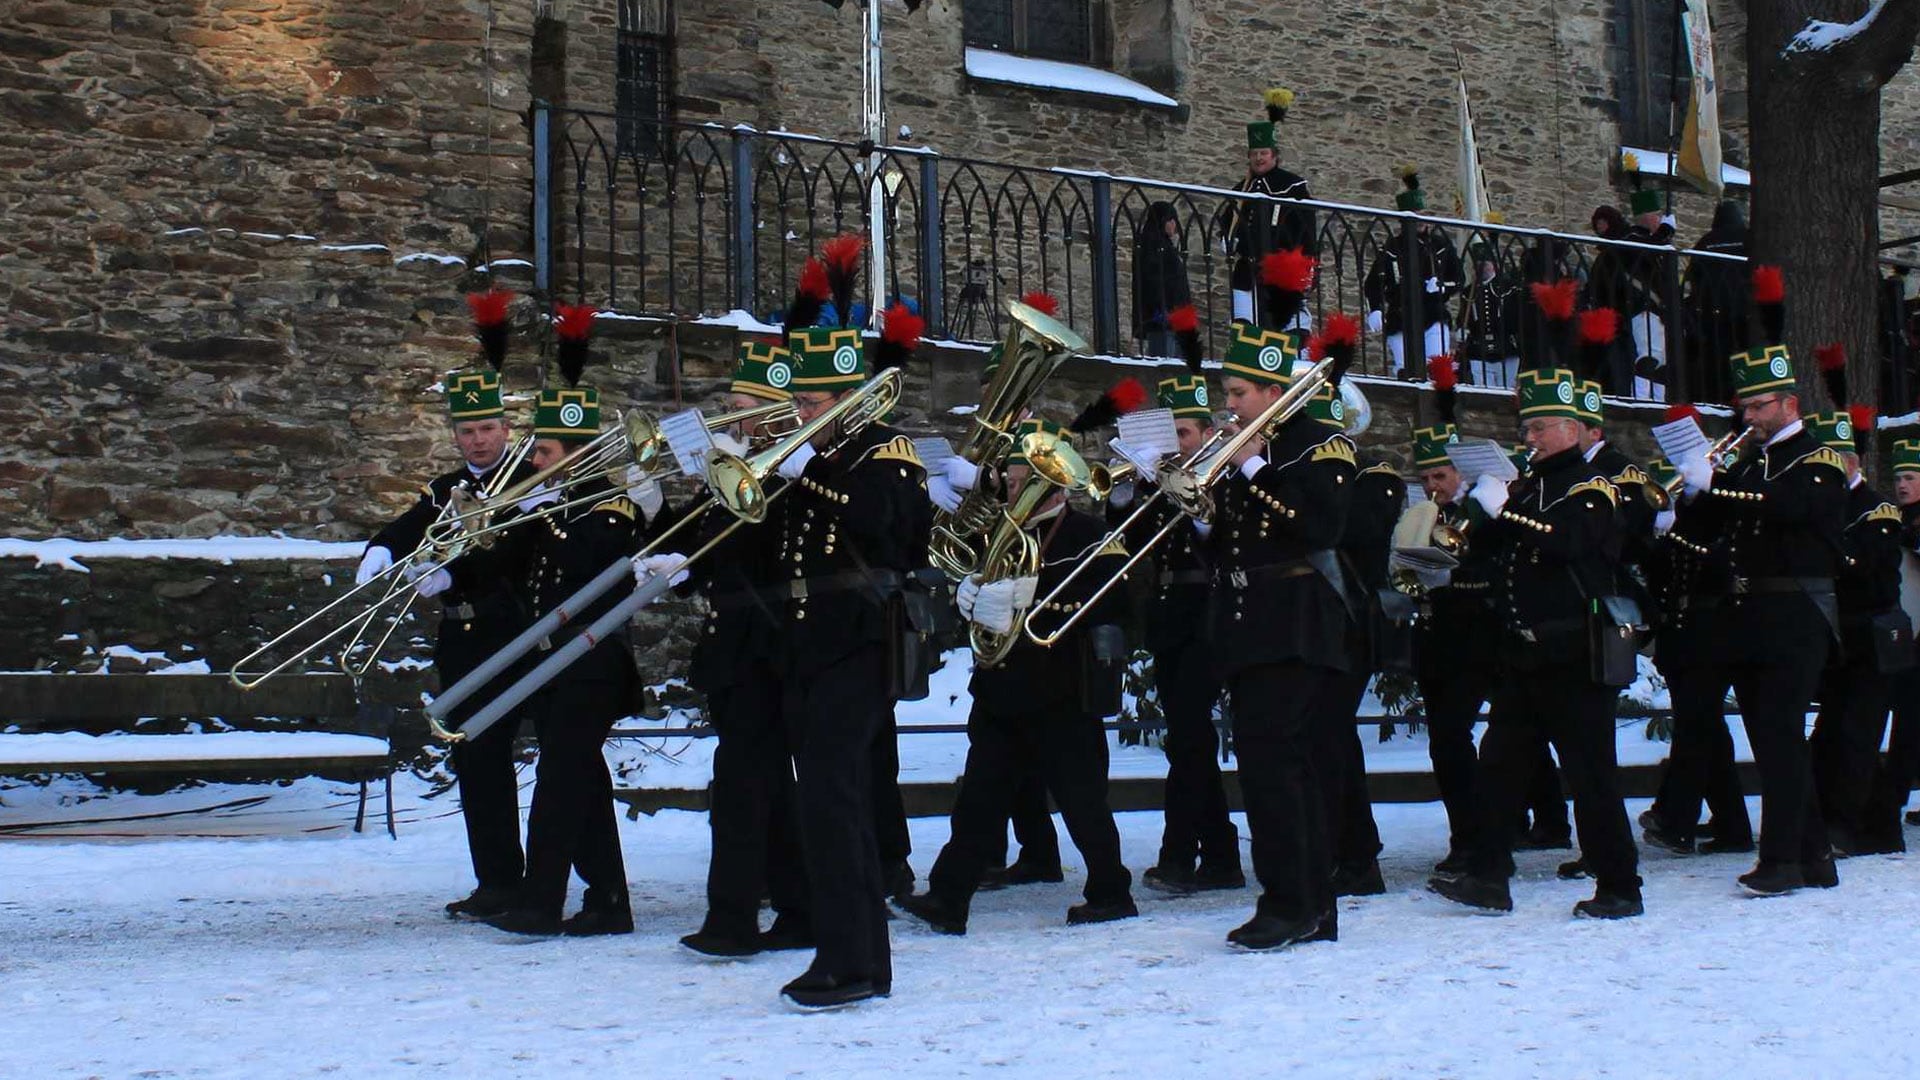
(311, 951)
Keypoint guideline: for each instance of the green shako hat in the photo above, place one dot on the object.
(1832, 429)
(474, 395)
(1906, 455)
(1548, 392)
(1031, 426)
(763, 370)
(571, 412)
(1430, 445)
(1644, 201)
(830, 358)
(1587, 400)
(1261, 355)
(1325, 405)
(1187, 396)
(1767, 367)
(1413, 198)
(1264, 134)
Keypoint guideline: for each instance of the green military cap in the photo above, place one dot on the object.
(1644, 201)
(829, 358)
(1261, 136)
(1325, 405)
(1258, 355)
(1186, 395)
(1832, 429)
(1906, 455)
(474, 395)
(1587, 401)
(1034, 425)
(1548, 392)
(1762, 370)
(763, 370)
(571, 412)
(1412, 197)
(1430, 445)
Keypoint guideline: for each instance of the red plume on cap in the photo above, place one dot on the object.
(1831, 357)
(1184, 321)
(1441, 369)
(1338, 340)
(898, 337)
(1681, 412)
(1556, 300)
(842, 256)
(1833, 371)
(573, 324)
(1599, 326)
(1042, 302)
(1862, 416)
(1122, 398)
(1342, 330)
(1291, 270)
(490, 323)
(1770, 296)
(809, 296)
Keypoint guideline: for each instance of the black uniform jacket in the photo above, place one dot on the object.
(1869, 580)
(1032, 679)
(1438, 261)
(1379, 495)
(741, 632)
(1557, 543)
(1457, 625)
(1178, 571)
(1778, 512)
(1254, 229)
(854, 521)
(1272, 544)
(1688, 577)
(479, 616)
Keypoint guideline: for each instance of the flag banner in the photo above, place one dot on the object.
(1473, 179)
(1699, 161)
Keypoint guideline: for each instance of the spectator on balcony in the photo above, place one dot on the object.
(1717, 302)
(1491, 312)
(1159, 280)
(1248, 229)
(1438, 275)
(1611, 282)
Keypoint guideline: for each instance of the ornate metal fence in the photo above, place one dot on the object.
(705, 219)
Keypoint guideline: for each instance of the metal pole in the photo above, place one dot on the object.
(542, 201)
(1673, 100)
(876, 191)
(1106, 293)
(746, 273)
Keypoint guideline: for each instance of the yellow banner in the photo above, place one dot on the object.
(1699, 161)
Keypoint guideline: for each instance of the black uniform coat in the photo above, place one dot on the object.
(1253, 230)
(743, 618)
(1438, 260)
(1379, 495)
(1557, 542)
(1458, 626)
(1492, 314)
(1179, 572)
(1869, 579)
(1032, 679)
(1271, 603)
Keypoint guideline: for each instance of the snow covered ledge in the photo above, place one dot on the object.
(991, 66)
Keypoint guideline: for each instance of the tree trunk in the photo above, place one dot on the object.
(1816, 170)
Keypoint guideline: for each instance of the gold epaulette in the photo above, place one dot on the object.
(619, 504)
(1338, 448)
(1826, 455)
(899, 448)
(1884, 512)
(1631, 475)
(1115, 545)
(1597, 484)
(1381, 467)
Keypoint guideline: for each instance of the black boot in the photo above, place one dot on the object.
(1213, 877)
(1173, 879)
(1453, 865)
(1771, 878)
(929, 908)
(597, 922)
(1820, 873)
(527, 921)
(787, 932)
(723, 946)
(1731, 846)
(1609, 905)
(1542, 838)
(1109, 911)
(1363, 880)
(1021, 872)
(1913, 817)
(486, 902)
(818, 990)
(1573, 870)
(897, 879)
(1475, 892)
(1666, 839)
(1264, 932)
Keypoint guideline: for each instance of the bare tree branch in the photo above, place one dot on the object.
(1857, 57)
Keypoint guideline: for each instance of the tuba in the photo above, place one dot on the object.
(1035, 345)
(1012, 552)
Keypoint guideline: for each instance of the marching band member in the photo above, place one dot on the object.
(1894, 781)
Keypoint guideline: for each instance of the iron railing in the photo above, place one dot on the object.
(705, 219)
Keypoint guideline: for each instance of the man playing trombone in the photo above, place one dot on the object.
(475, 622)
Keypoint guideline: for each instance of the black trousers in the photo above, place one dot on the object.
(1700, 765)
(1275, 707)
(1069, 751)
(1342, 766)
(1774, 695)
(1845, 745)
(489, 786)
(1032, 821)
(1556, 703)
(755, 809)
(572, 826)
(1197, 825)
(889, 809)
(1546, 797)
(1453, 695)
(834, 714)
(1894, 782)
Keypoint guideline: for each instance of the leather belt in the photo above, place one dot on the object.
(1812, 586)
(1290, 569)
(885, 582)
(1185, 577)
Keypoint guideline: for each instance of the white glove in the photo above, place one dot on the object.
(995, 605)
(1204, 528)
(1668, 221)
(942, 494)
(645, 492)
(1491, 493)
(672, 565)
(434, 583)
(728, 444)
(1122, 494)
(372, 564)
(1662, 522)
(541, 496)
(961, 473)
(1023, 590)
(965, 594)
(797, 462)
(1433, 284)
(1375, 321)
(1696, 474)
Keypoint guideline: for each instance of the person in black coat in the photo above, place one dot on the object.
(1715, 290)
(1159, 280)
(1491, 314)
(1893, 783)
(475, 623)
(1437, 274)
(1554, 539)
(1035, 710)
(1248, 230)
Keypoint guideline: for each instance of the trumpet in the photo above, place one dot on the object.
(1101, 479)
(1034, 346)
(738, 484)
(1189, 485)
(1721, 456)
(1013, 552)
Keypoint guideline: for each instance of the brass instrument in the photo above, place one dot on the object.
(1721, 456)
(1189, 484)
(1012, 552)
(1035, 345)
(1101, 479)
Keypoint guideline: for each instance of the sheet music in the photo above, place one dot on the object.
(687, 436)
(1681, 440)
(1149, 432)
(1148, 464)
(1416, 495)
(1476, 458)
(934, 452)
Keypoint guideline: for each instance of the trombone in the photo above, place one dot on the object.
(1013, 552)
(1189, 484)
(736, 483)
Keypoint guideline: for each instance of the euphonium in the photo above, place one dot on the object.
(1035, 345)
(1012, 552)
